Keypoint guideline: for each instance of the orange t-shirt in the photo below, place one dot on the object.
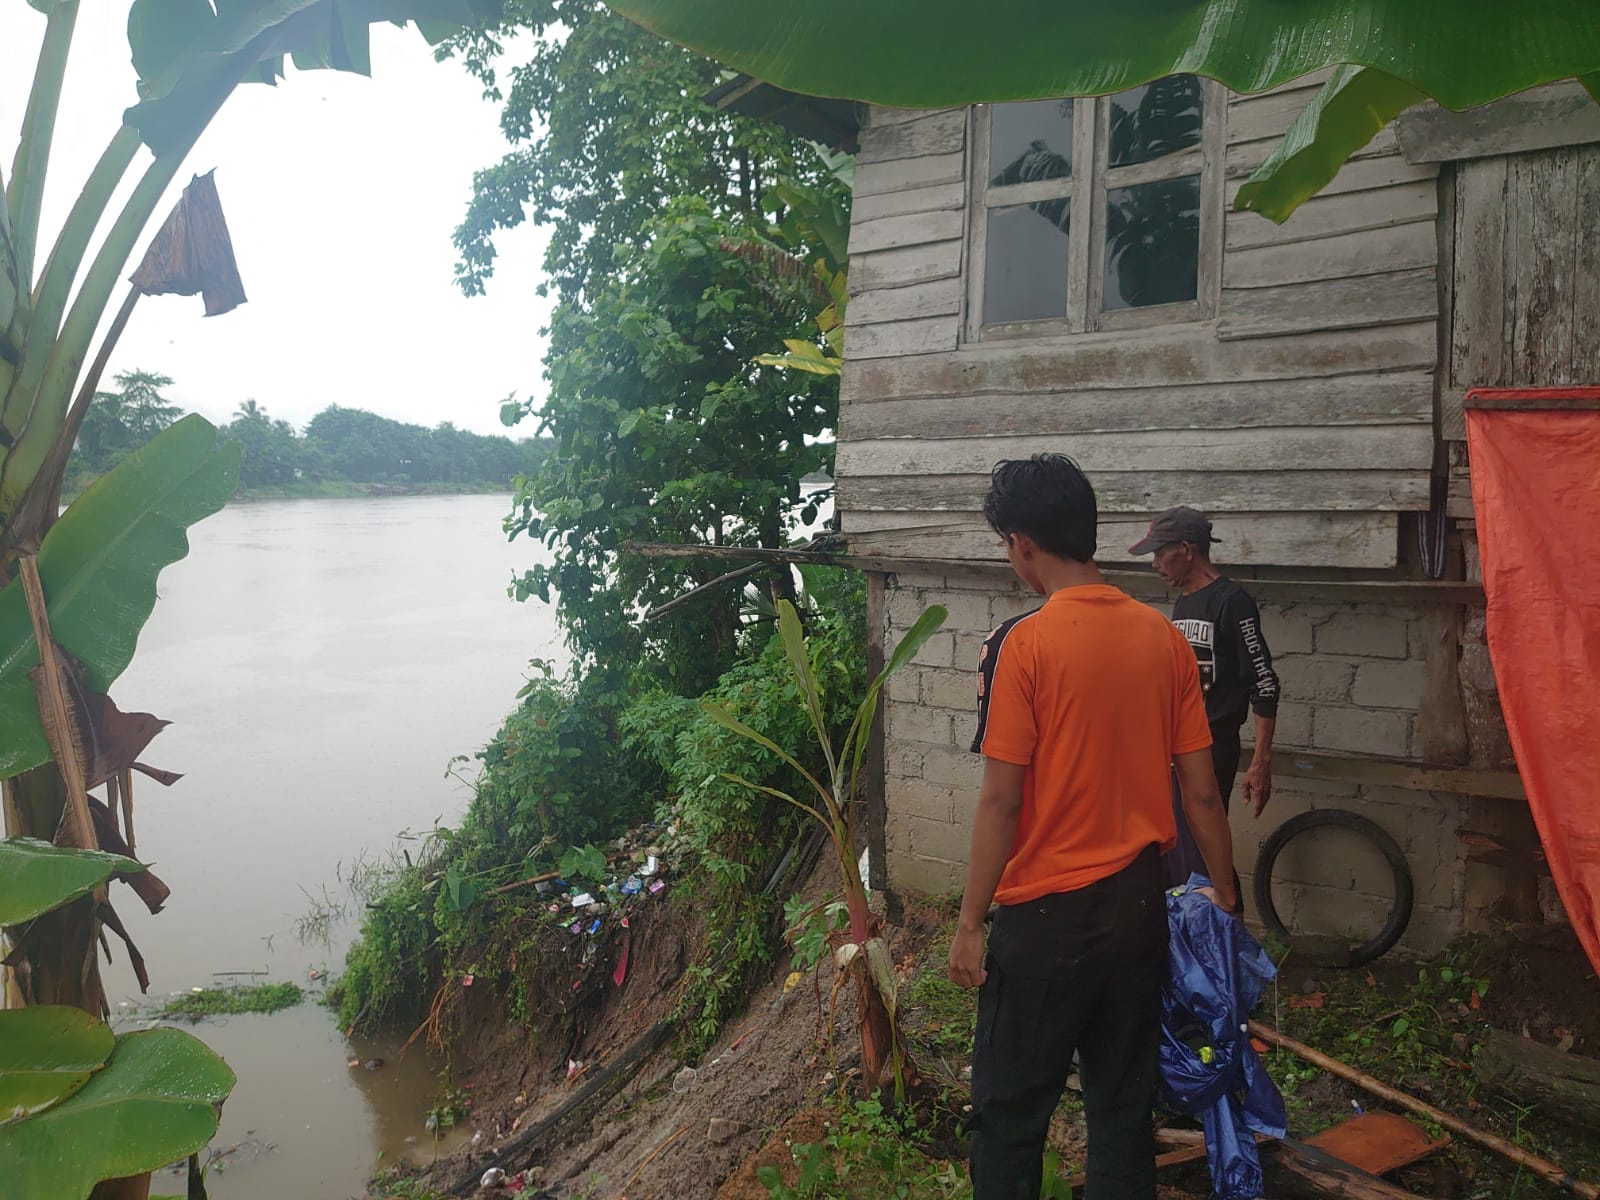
(1094, 693)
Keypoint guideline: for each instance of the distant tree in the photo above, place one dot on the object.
(119, 422)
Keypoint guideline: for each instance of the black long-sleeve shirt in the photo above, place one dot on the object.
(1223, 625)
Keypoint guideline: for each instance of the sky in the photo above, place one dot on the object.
(341, 193)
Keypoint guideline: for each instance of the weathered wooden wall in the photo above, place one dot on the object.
(1301, 416)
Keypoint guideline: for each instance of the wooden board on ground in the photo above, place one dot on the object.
(1377, 1142)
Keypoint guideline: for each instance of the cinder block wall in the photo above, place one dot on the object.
(1355, 680)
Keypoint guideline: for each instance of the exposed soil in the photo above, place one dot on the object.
(773, 1080)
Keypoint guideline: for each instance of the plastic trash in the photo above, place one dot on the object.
(582, 900)
(656, 886)
(594, 926)
(576, 927)
(685, 1081)
(494, 1177)
(652, 864)
(631, 886)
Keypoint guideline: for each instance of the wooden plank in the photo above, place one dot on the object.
(1152, 491)
(895, 338)
(874, 179)
(1269, 115)
(1381, 772)
(909, 229)
(934, 198)
(904, 265)
(1313, 79)
(1543, 198)
(1330, 215)
(1399, 398)
(1245, 156)
(1478, 289)
(1391, 447)
(1326, 1177)
(879, 115)
(1395, 298)
(1152, 358)
(937, 298)
(1378, 1142)
(1543, 118)
(1586, 271)
(939, 133)
(1359, 175)
(1353, 540)
(1369, 252)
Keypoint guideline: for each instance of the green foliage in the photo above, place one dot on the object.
(868, 1154)
(939, 1013)
(587, 863)
(738, 834)
(123, 1105)
(118, 423)
(664, 433)
(99, 565)
(39, 877)
(232, 1001)
(911, 55)
(46, 1053)
(811, 928)
(1349, 111)
(607, 126)
(153, 1102)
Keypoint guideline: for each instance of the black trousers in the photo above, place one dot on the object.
(1185, 856)
(1076, 972)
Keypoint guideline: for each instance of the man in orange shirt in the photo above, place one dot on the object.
(1084, 706)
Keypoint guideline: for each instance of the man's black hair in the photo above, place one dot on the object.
(1048, 498)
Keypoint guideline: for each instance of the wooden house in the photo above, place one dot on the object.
(1070, 276)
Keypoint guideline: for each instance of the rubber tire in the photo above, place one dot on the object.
(1404, 887)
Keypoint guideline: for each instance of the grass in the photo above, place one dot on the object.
(231, 1001)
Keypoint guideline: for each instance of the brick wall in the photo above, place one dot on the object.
(1355, 680)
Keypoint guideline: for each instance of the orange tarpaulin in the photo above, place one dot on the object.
(1536, 493)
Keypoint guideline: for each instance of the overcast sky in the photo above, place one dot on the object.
(341, 194)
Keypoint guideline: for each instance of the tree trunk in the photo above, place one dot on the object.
(1563, 1085)
(55, 961)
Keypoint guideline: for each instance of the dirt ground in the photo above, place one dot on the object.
(772, 1080)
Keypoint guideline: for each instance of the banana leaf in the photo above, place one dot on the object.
(36, 877)
(189, 56)
(46, 1054)
(154, 1102)
(938, 53)
(99, 565)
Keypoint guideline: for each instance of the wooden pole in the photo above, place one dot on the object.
(1546, 1170)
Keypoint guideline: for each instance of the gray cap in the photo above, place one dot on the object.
(1181, 524)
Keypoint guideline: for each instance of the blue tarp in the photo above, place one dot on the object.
(1208, 1067)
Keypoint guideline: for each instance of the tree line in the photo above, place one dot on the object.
(339, 445)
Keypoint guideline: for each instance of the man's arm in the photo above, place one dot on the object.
(1255, 661)
(1208, 823)
(1258, 776)
(994, 832)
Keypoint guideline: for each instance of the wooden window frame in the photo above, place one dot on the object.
(1086, 238)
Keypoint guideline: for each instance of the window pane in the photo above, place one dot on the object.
(1155, 120)
(1025, 263)
(1152, 243)
(1029, 141)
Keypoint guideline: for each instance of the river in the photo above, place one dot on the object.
(321, 662)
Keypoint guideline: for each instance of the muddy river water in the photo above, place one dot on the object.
(321, 662)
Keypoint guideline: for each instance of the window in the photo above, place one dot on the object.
(1097, 214)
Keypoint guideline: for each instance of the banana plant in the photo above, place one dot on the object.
(864, 957)
(80, 1105)
(77, 1107)
(938, 53)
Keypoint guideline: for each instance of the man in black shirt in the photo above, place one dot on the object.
(1223, 625)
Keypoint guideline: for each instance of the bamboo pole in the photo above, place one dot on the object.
(1546, 1170)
